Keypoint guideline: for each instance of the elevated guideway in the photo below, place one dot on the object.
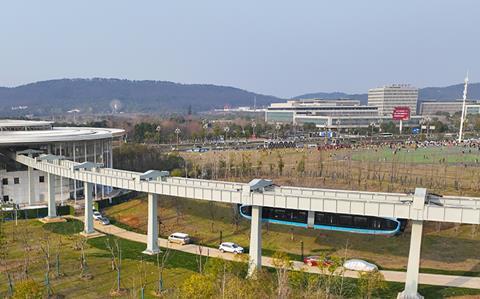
(394, 205)
(417, 207)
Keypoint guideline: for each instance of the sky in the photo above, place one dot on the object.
(281, 48)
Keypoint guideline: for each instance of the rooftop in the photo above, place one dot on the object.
(18, 132)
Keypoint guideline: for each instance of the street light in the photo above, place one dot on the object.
(278, 127)
(226, 129)
(254, 125)
(372, 124)
(158, 129)
(177, 131)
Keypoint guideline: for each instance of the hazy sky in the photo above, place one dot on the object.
(283, 48)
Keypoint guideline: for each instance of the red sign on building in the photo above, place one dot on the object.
(401, 113)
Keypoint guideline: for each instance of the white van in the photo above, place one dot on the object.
(179, 238)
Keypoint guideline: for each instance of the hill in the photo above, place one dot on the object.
(96, 95)
(58, 96)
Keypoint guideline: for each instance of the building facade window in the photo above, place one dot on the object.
(5, 181)
(41, 179)
(6, 198)
(16, 181)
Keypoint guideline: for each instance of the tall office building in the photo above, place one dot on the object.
(397, 95)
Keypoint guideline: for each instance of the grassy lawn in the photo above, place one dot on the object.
(70, 284)
(420, 155)
(445, 250)
(178, 267)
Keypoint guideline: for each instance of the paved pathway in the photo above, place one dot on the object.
(396, 276)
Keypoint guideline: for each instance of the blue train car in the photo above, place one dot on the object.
(330, 221)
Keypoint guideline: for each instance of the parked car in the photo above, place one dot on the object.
(359, 265)
(104, 220)
(179, 238)
(230, 247)
(97, 215)
(316, 260)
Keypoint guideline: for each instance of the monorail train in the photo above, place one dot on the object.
(330, 221)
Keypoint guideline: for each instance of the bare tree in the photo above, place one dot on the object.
(161, 262)
(81, 244)
(116, 254)
(282, 265)
(45, 247)
(26, 238)
(142, 275)
(4, 267)
(200, 258)
(57, 257)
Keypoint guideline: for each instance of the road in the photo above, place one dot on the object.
(394, 276)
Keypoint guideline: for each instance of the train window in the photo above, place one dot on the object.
(247, 210)
(279, 214)
(389, 224)
(345, 220)
(266, 212)
(360, 222)
(377, 223)
(319, 218)
(299, 216)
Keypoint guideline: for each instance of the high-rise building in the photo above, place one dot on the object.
(397, 95)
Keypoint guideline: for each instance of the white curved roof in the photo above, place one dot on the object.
(57, 134)
(18, 123)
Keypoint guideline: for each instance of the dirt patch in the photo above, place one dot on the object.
(132, 221)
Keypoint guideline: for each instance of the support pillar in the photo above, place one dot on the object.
(413, 267)
(88, 189)
(411, 282)
(31, 187)
(255, 254)
(152, 227)
(311, 219)
(52, 209)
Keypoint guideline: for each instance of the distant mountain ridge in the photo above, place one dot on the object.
(95, 95)
(164, 97)
(447, 93)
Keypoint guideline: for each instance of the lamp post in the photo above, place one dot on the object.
(226, 130)
(158, 129)
(177, 131)
(372, 124)
(254, 125)
(277, 128)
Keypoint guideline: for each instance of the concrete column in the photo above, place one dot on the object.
(95, 161)
(152, 227)
(31, 186)
(74, 181)
(413, 267)
(255, 254)
(52, 209)
(88, 189)
(311, 219)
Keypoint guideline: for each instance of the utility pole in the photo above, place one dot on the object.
(462, 118)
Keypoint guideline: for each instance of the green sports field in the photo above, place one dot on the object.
(428, 155)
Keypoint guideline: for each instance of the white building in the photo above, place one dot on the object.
(397, 95)
(293, 111)
(74, 143)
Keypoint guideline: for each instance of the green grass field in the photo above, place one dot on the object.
(178, 267)
(436, 155)
(441, 252)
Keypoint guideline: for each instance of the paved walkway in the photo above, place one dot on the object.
(396, 276)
